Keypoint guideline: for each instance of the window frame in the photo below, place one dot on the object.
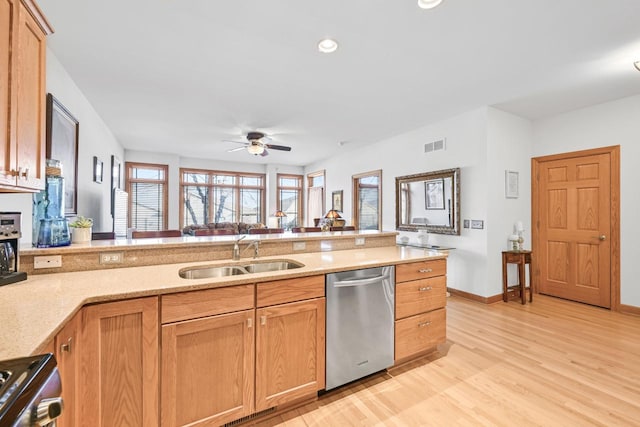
(129, 166)
(298, 189)
(237, 187)
(310, 177)
(356, 195)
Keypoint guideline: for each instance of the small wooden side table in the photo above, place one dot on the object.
(522, 258)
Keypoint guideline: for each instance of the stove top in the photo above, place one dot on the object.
(29, 387)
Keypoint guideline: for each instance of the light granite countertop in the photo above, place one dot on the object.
(36, 309)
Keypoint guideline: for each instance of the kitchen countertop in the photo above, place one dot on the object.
(36, 309)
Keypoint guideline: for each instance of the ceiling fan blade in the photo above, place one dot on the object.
(236, 149)
(278, 147)
(264, 153)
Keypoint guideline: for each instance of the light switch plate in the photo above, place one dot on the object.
(466, 223)
(477, 224)
(359, 241)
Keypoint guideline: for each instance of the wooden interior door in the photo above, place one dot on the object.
(574, 227)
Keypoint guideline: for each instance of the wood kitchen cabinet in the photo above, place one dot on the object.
(66, 353)
(290, 340)
(208, 362)
(289, 352)
(23, 29)
(421, 289)
(117, 377)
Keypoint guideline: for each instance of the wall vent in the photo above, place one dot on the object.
(438, 145)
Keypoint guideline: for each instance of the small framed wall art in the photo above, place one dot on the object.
(511, 184)
(98, 170)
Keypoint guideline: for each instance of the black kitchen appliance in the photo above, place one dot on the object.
(10, 233)
(30, 392)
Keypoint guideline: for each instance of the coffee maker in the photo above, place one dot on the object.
(10, 234)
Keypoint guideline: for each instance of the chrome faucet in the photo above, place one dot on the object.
(236, 249)
(256, 248)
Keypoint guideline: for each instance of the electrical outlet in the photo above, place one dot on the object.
(51, 261)
(359, 241)
(299, 246)
(477, 224)
(111, 257)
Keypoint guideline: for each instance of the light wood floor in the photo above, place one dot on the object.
(550, 363)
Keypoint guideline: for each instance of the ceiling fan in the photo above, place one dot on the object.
(257, 144)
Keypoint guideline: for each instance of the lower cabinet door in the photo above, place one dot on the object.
(118, 373)
(420, 333)
(208, 370)
(290, 352)
(66, 352)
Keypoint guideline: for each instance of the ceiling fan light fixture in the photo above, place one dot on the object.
(327, 45)
(428, 4)
(255, 149)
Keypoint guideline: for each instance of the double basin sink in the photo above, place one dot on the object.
(205, 272)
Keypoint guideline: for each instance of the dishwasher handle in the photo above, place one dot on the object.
(358, 282)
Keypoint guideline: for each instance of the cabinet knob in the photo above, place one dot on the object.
(426, 288)
(249, 323)
(602, 237)
(423, 324)
(66, 347)
(425, 270)
(263, 320)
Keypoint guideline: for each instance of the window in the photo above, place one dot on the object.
(315, 197)
(367, 189)
(146, 184)
(290, 200)
(216, 196)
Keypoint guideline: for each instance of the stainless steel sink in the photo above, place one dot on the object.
(204, 272)
(261, 267)
(208, 272)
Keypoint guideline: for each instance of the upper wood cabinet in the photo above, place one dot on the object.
(23, 29)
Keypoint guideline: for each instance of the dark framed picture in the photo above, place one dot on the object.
(336, 200)
(116, 179)
(434, 194)
(62, 134)
(97, 170)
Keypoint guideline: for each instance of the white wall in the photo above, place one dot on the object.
(403, 155)
(611, 123)
(95, 139)
(509, 148)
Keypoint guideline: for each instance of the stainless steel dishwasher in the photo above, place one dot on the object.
(360, 320)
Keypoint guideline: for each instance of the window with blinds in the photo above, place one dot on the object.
(218, 196)
(290, 200)
(147, 187)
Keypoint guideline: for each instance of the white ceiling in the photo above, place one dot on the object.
(181, 76)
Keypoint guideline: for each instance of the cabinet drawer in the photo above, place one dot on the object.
(209, 302)
(419, 296)
(419, 333)
(421, 270)
(289, 290)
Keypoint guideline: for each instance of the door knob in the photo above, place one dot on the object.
(602, 237)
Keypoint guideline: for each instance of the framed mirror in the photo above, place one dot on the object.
(429, 201)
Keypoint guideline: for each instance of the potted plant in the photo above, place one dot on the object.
(81, 230)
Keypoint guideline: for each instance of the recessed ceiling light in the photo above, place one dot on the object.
(637, 65)
(327, 45)
(428, 4)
